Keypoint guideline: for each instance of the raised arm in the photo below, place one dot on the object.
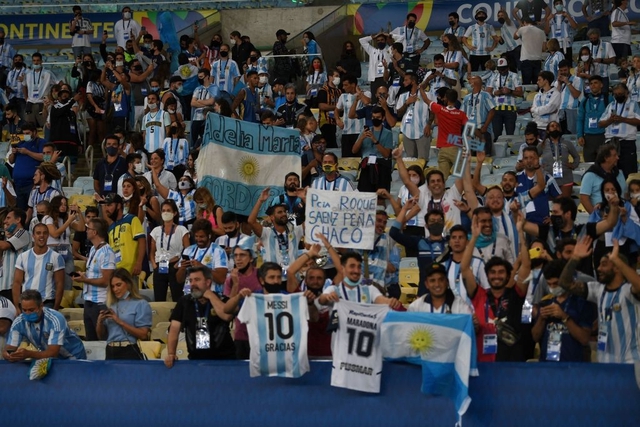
(253, 216)
(628, 272)
(582, 249)
(404, 175)
(468, 278)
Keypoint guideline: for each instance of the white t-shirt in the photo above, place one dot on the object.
(458, 306)
(168, 246)
(533, 39)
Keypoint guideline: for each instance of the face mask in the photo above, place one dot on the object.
(596, 42)
(171, 111)
(501, 21)
(152, 106)
(19, 64)
(125, 296)
(232, 42)
(167, 216)
(555, 134)
(179, 89)
(557, 222)
(381, 45)
(202, 206)
(439, 69)
(87, 63)
(481, 18)
(635, 196)
(452, 23)
(351, 282)
(31, 317)
(46, 157)
(584, 58)
(147, 45)
(445, 45)
(349, 51)
(376, 122)
(305, 39)
(112, 151)
(119, 64)
(127, 198)
(411, 24)
(557, 291)
(320, 148)
(37, 66)
(436, 229)
(138, 168)
(40, 217)
(216, 43)
(316, 66)
(264, 80)
(155, 89)
(231, 233)
(184, 185)
(328, 168)
(620, 99)
(27, 138)
(126, 15)
(559, 8)
(415, 180)
(12, 228)
(336, 81)
(138, 68)
(201, 81)
(224, 53)
(272, 289)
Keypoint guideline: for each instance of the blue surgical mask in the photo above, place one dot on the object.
(351, 282)
(179, 89)
(46, 157)
(31, 317)
(27, 138)
(37, 66)
(155, 88)
(112, 151)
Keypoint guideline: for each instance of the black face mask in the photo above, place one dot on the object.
(137, 68)
(620, 99)
(595, 43)
(173, 130)
(452, 23)
(272, 289)
(411, 24)
(445, 45)
(376, 122)
(18, 64)
(349, 51)
(538, 262)
(436, 228)
(501, 21)
(381, 45)
(40, 217)
(231, 233)
(481, 18)
(224, 53)
(215, 43)
(555, 134)
(244, 270)
(200, 81)
(557, 222)
(316, 292)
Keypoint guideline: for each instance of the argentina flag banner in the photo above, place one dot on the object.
(239, 159)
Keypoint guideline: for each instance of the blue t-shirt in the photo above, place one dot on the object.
(25, 165)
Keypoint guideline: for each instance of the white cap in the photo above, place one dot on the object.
(502, 62)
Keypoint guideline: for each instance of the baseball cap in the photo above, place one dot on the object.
(502, 62)
(111, 198)
(282, 32)
(436, 268)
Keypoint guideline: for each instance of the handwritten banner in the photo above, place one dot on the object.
(346, 219)
(239, 159)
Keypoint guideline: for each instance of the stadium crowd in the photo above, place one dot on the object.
(511, 255)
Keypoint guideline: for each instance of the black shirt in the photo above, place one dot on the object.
(85, 244)
(534, 8)
(115, 170)
(221, 343)
(242, 52)
(64, 127)
(290, 113)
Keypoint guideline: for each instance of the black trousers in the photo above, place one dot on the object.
(478, 61)
(162, 282)
(130, 352)
(90, 317)
(348, 142)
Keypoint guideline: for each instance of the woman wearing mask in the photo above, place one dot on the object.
(126, 320)
(265, 91)
(349, 62)
(150, 204)
(183, 199)
(167, 243)
(206, 208)
(82, 69)
(95, 106)
(634, 195)
(136, 139)
(191, 167)
(586, 67)
(316, 78)
(131, 197)
(311, 46)
(554, 157)
(61, 221)
(554, 58)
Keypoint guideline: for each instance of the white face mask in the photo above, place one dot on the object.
(152, 106)
(167, 216)
(336, 81)
(119, 64)
(584, 58)
(439, 69)
(556, 291)
(415, 180)
(635, 196)
(138, 167)
(127, 15)
(232, 42)
(264, 80)
(171, 111)
(127, 198)
(184, 185)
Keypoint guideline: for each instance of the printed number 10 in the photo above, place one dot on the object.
(279, 326)
(364, 345)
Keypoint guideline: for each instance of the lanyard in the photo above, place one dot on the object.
(406, 33)
(594, 53)
(226, 66)
(128, 25)
(206, 311)
(346, 296)
(173, 147)
(173, 227)
(496, 309)
(431, 244)
(333, 184)
(598, 99)
(621, 109)
(195, 253)
(41, 347)
(283, 240)
(558, 150)
(95, 252)
(616, 295)
(506, 80)
(493, 248)
(435, 205)
(229, 241)
(106, 171)
(289, 203)
(440, 310)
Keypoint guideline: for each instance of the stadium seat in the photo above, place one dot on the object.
(349, 163)
(82, 200)
(181, 351)
(409, 277)
(73, 314)
(68, 298)
(160, 332)
(77, 326)
(147, 294)
(500, 150)
(96, 350)
(4, 148)
(161, 312)
(84, 182)
(80, 265)
(411, 262)
(151, 349)
(71, 191)
(410, 161)
(491, 180)
(508, 163)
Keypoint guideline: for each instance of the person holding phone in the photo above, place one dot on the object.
(101, 264)
(125, 319)
(81, 31)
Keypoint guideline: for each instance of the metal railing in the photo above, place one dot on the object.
(88, 156)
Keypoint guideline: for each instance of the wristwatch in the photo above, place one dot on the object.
(566, 319)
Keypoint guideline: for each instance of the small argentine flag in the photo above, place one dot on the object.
(444, 345)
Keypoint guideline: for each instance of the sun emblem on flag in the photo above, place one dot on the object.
(249, 169)
(420, 339)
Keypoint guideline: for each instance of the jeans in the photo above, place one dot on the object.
(568, 119)
(348, 141)
(513, 56)
(622, 50)
(503, 118)
(79, 51)
(22, 196)
(90, 317)
(530, 71)
(628, 161)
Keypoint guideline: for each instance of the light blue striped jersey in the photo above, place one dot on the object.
(552, 63)
(412, 39)
(455, 278)
(176, 151)
(339, 184)
(51, 330)
(621, 130)
(415, 118)
(186, 205)
(38, 271)
(560, 29)
(281, 248)
(602, 50)
(36, 196)
(57, 183)
(618, 317)
(351, 126)
(101, 259)
(477, 106)
(481, 37)
(154, 126)
(363, 294)
(458, 32)
(277, 326)
(451, 56)
(507, 31)
(378, 258)
(212, 256)
(633, 82)
(511, 81)
(20, 242)
(568, 102)
(224, 72)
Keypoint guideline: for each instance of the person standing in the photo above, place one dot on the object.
(351, 128)
(155, 124)
(571, 89)
(26, 157)
(328, 97)
(109, 170)
(602, 54)
(414, 41)
(414, 110)
(599, 16)
(546, 102)
(7, 54)
(81, 31)
(454, 27)
(560, 25)
(125, 27)
(477, 38)
(505, 86)
(378, 54)
(126, 235)
(512, 45)
(621, 29)
(592, 107)
(480, 108)
(533, 40)
(283, 68)
(37, 86)
(16, 241)
(225, 72)
(531, 9)
(375, 144)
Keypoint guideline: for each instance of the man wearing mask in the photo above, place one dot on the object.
(479, 106)
(429, 248)
(248, 97)
(531, 9)
(126, 26)
(439, 76)
(621, 119)
(505, 86)
(454, 27)
(570, 88)
(533, 41)
(225, 72)
(232, 237)
(478, 38)
(290, 198)
(328, 97)
(126, 235)
(203, 96)
(54, 338)
(375, 144)
(598, 16)
(331, 180)
(109, 170)
(603, 55)
(120, 95)
(378, 53)
(37, 86)
(546, 104)
(16, 241)
(513, 46)
(490, 243)
(414, 41)
(14, 85)
(175, 91)
(81, 31)
(64, 127)
(240, 50)
(290, 111)
(389, 118)
(351, 128)
(414, 110)
(134, 168)
(155, 124)
(26, 157)
(592, 107)
(560, 25)
(531, 139)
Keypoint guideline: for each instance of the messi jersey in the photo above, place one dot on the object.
(277, 326)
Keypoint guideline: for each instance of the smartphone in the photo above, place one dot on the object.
(74, 274)
(366, 128)
(102, 307)
(13, 350)
(535, 253)
(186, 257)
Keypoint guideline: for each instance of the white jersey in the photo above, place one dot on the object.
(455, 278)
(618, 314)
(277, 325)
(154, 126)
(364, 294)
(357, 356)
(38, 271)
